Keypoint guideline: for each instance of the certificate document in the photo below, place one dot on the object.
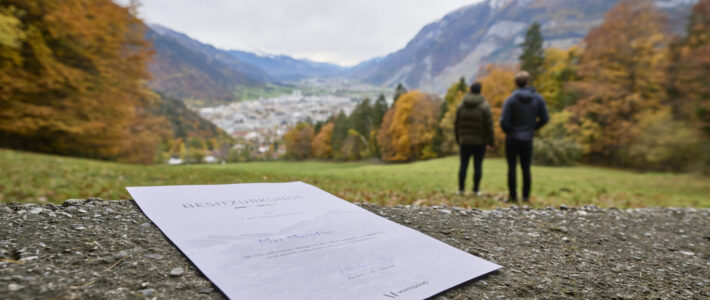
(295, 241)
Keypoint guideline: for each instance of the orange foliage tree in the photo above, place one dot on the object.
(321, 142)
(690, 70)
(408, 128)
(298, 141)
(622, 76)
(72, 80)
(689, 77)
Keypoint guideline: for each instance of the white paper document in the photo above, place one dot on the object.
(295, 241)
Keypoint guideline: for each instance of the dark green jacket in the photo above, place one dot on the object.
(474, 123)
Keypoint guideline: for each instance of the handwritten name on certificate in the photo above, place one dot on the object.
(295, 241)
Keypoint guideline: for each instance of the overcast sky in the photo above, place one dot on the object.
(339, 31)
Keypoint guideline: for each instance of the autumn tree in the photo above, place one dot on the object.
(321, 142)
(408, 128)
(354, 146)
(690, 70)
(533, 56)
(196, 150)
(452, 99)
(72, 80)
(78, 86)
(558, 70)
(622, 76)
(497, 85)
(689, 76)
(298, 141)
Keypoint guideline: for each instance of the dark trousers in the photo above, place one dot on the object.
(478, 152)
(513, 150)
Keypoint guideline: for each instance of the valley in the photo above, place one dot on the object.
(265, 120)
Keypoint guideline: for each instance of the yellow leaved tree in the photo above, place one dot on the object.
(497, 85)
(408, 128)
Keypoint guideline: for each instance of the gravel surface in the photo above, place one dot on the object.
(109, 249)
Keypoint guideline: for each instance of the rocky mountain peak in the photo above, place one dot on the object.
(467, 39)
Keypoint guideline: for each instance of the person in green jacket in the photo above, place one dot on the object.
(473, 128)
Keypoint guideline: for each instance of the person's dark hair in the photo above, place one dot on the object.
(521, 79)
(476, 88)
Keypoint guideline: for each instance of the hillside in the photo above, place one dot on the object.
(464, 41)
(203, 75)
(184, 68)
(186, 123)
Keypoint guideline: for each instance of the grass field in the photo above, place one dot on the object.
(38, 178)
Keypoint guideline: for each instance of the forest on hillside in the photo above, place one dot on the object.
(73, 80)
(632, 94)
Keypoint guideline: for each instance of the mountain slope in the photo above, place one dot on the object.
(465, 40)
(186, 123)
(286, 68)
(186, 69)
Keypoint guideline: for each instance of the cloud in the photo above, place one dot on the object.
(339, 31)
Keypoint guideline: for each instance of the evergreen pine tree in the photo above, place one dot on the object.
(318, 125)
(340, 131)
(378, 111)
(462, 85)
(533, 56)
(361, 117)
(398, 92)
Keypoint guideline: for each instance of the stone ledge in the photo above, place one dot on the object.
(108, 249)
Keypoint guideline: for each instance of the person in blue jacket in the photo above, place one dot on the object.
(524, 112)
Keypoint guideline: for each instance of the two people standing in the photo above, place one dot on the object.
(524, 112)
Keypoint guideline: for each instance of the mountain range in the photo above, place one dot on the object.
(465, 40)
(459, 44)
(185, 68)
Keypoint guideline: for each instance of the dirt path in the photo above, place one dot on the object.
(109, 249)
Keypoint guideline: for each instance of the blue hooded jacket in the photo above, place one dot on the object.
(523, 113)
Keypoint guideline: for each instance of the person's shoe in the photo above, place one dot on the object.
(511, 200)
(477, 193)
(526, 200)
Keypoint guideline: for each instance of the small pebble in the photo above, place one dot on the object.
(176, 272)
(147, 292)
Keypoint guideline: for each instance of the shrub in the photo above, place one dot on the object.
(662, 143)
(555, 152)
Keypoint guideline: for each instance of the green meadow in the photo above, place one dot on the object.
(40, 178)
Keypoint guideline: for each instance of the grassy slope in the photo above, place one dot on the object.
(30, 177)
